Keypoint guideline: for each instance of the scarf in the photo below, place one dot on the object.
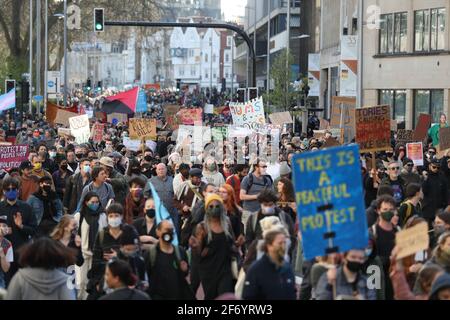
(91, 218)
(48, 202)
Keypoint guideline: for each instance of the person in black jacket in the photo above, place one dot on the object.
(395, 181)
(19, 217)
(75, 186)
(271, 277)
(435, 191)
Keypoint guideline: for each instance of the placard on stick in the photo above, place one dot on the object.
(412, 240)
(373, 128)
(444, 138)
(405, 136)
(422, 127)
(142, 128)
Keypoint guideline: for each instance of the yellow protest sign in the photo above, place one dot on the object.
(412, 240)
(142, 128)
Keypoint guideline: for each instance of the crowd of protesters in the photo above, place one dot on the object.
(79, 221)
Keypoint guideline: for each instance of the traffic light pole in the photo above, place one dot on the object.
(236, 29)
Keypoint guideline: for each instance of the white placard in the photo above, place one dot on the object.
(79, 127)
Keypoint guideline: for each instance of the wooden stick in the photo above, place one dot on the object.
(373, 162)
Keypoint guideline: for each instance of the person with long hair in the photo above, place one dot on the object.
(90, 219)
(66, 232)
(286, 196)
(234, 212)
(119, 277)
(41, 277)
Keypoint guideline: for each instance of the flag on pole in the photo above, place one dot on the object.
(142, 102)
(161, 212)
(8, 100)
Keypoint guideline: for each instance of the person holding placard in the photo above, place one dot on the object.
(435, 191)
(433, 132)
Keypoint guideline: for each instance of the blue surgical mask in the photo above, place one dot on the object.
(11, 195)
(87, 169)
(93, 206)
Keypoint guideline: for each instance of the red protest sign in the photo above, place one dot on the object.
(422, 127)
(190, 116)
(97, 132)
(373, 128)
(12, 156)
(414, 151)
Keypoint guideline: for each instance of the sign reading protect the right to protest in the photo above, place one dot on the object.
(12, 156)
(329, 197)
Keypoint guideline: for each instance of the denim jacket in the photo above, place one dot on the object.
(38, 208)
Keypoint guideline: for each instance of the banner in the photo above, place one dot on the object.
(115, 118)
(412, 240)
(421, 131)
(12, 156)
(136, 145)
(314, 74)
(330, 201)
(97, 132)
(190, 116)
(414, 151)
(170, 112)
(343, 116)
(250, 114)
(79, 127)
(373, 128)
(349, 66)
(280, 118)
(142, 128)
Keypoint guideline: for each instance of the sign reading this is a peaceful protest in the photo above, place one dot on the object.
(12, 156)
(249, 114)
(79, 127)
(142, 128)
(373, 128)
(329, 197)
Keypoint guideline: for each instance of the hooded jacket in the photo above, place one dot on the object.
(39, 284)
(442, 282)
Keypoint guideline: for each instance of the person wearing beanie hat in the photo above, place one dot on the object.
(6, 251)
(441, 288)
(212, 197)
(409, 173)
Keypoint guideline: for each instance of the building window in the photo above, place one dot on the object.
(214, 57)
(393, 32)
(278, 24)
(191, 53)
(181, 71)
(206, 74)
(429, 30)
(206, 57)
(229, 41)
(430, 102)
(227, 58)
(193, 71)
(397, 100)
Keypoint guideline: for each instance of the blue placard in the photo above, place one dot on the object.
(330, 205)
(142, 102)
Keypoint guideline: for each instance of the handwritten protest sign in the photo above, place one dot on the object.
(63, 116)
(280, 118)
(142, 128)
(170, 112)
(414, 151)
(249, 114)
(324, 124)
(190, 116)
(330, 201)
(64, 132)
(422, 127)
(412, 240)
(79, 127)
(97, 132)
(343, 116)
(405, 136)
(115, 118)
(444, 138)
(373, 128)
(12, 156)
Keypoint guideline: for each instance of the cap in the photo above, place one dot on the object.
(435, 162)
(195, 172)
(129, 236)
(4, 219)
(211, 197)
(25, 165)
(107, 161)
(406, 161)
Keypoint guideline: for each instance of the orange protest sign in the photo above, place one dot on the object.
(373, 128)
(142, 128)
(412, 240)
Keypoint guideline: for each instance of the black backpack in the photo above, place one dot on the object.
(268, 181)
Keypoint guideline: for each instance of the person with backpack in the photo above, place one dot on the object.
(167, 267)
(99, 185)
(412, 206)
(241, 171)
(251, 186)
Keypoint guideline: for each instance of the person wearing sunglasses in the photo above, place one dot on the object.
(409, 172)
(435, 191)
(395, 181)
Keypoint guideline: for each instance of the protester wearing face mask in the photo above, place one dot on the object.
(267, 200)
(72, 161)
(134, 170)
(167, 267)
(412, 206)
(240, 172)
(38, 171)
(347, 281)
(61, 178)
(99, 185)
(409, 172)
(6, 251)
(146, 225)
(66, 232)
(106, 247)
(435, 191)
(213, 240)
(48, 164)
(90, 219)
(115, 179)
(134, 203)
(75, 185)
(271, 277)
(181, 175)
(211, 173)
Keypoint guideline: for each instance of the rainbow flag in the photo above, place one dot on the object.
(8, 100)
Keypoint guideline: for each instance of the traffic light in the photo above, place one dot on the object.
(88, 84)
(25, 92)
(99, 21)
(9, 85)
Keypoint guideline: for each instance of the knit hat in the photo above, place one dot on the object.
(211, 197)
(406, 161)
(284, 168)
(129, 236)
(442, 282)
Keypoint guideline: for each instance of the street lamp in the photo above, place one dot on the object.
(64, 16)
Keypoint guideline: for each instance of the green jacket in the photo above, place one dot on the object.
(433, 132)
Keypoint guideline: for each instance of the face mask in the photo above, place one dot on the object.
(268, 210)
(93, 206)
(147, 173)
(214, 212)
(79, 156)
(438, 230)
(167, 237)
(11, 195)
(52, 154)
(151, 213)
(212, 167)
(281, 253)
(37, 166)
(380, 175)
(87, 169)
(387, 216)
(114, 222)
(47, 188)
(138, 193)
(354, 266)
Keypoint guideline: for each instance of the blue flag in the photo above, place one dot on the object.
(162, 213)
(141, 105)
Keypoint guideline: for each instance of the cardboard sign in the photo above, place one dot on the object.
(412, 240)
(421, 131)
(142, 128)
(62, 117)
(373, 128)
(115, 118)
(444, 138)
(97, 132)
(64, 132)
(405, 136)
(331, 142)
(280, 118)
(330, 201)
(249, 114)
(190, 116)
(12, 156)
(170, 112)
(324, 124)
(414, 151)
(343, 116)
(79, 127)
(136, 145)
